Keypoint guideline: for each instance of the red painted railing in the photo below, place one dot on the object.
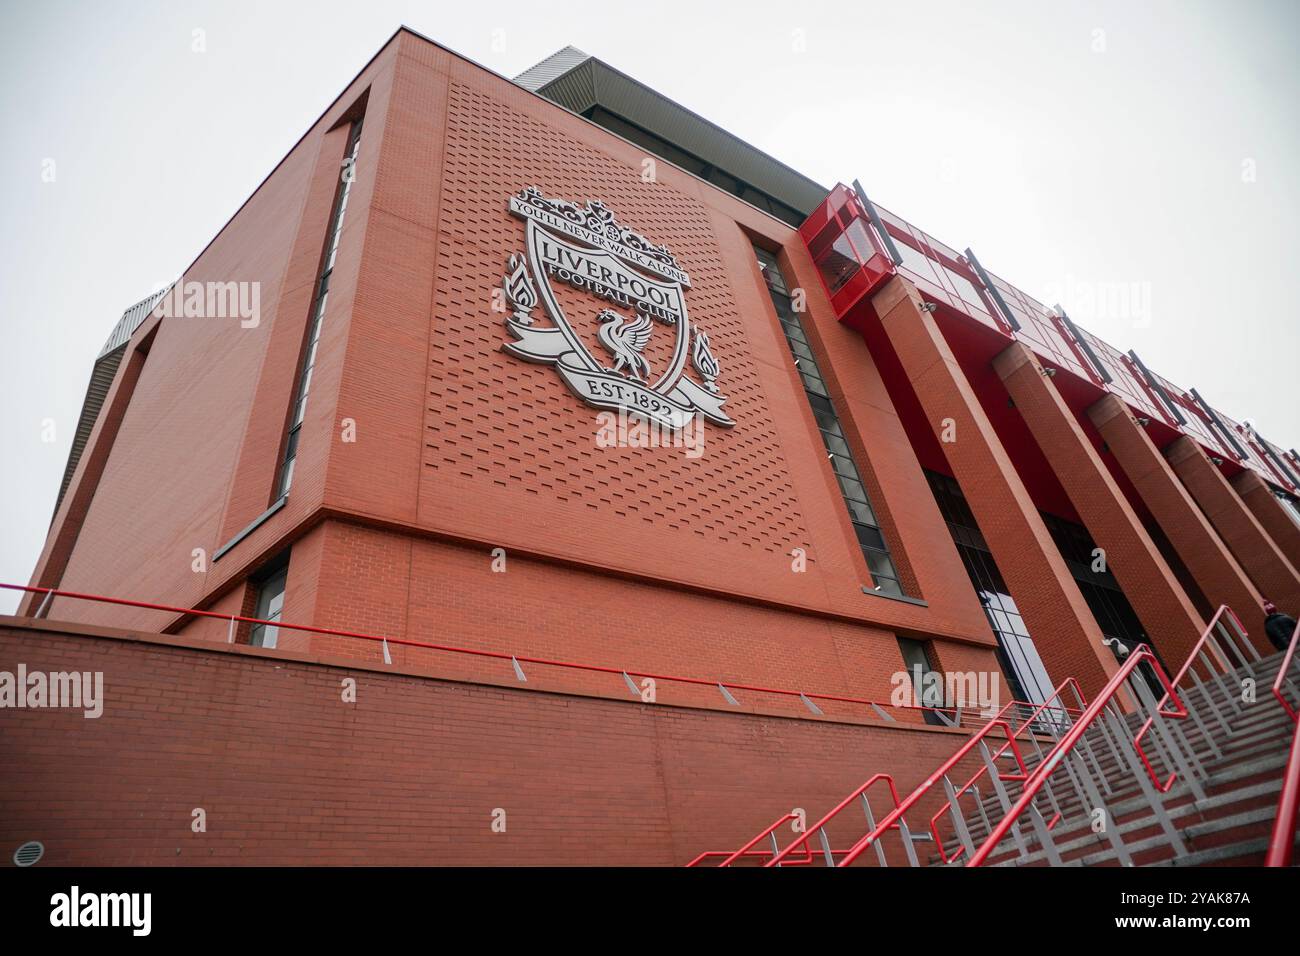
(1282, 841)
(1282, 675)
(891, 821)
(748, 849)
(846, 237)
(782, 856)
(802, 840)
(1213, 655)
(723, 686)
(1218, 624)
(1035, 781)
(1280, 848)
(980, 774)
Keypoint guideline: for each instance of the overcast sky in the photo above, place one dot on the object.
(1135, 161)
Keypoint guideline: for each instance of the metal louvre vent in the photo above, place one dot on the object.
(553, 67)
(29, 853)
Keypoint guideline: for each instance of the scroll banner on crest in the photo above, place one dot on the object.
(608, 390)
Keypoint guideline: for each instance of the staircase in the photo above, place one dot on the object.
(1221, 814)
(1190, 779)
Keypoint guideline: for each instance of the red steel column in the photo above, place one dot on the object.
(1209, 561)
(1166, 612)
(1275, 576)
(1064, 631)
(1270, 513)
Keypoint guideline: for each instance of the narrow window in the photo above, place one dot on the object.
(852, 488)
(1021, 665)
(927, 689)
(319, 300)
(270, 602)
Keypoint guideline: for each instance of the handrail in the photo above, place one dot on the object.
(1224, 612)
(803, 839)
(1216, 623)
(891, 819)
(804, 860)
(1039, 776)
(947, 805)
(722, 685)
(760, 854)
(744, 849)
(1282, 841)
(1036, 712)
(888, 823)
(1281, 675)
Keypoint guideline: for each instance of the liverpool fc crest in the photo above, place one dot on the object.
(630, 353)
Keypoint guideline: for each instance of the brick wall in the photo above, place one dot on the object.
(357, 577)
(1274, 575)
(287, 773)
(191, 460)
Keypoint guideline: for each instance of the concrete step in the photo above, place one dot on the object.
(1241, 784)
(1267, 741)
(1200, 824)
(1247, 786)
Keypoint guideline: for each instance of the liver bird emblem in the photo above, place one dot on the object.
(626, 342)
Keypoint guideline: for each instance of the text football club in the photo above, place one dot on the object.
(587, 249)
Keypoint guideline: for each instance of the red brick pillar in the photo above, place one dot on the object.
(1275, 576)
(1063, 628)
(1270, 513)
(1209, 561)
(1168, 615)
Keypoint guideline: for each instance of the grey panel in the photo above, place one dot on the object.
(591, 82)
(557, 64)
(131, 320)
(622, 95)
(101, 380)
(575, 90)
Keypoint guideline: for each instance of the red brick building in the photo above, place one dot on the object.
(900, 459)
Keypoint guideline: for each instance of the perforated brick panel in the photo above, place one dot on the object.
(739, 491)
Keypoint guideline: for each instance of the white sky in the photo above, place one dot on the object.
(1079, 148)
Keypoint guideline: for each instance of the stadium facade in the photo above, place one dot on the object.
(490, 378)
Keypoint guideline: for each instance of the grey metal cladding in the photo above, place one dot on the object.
(131, 320)
(557, 64)
(595, 83)
(575, 90)
(101, 380)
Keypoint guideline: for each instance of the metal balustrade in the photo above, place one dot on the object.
(896, 818)
(1188, 748)
(1209, 658)
(1282, 840)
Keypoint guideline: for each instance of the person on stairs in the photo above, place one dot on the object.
(1278, 626)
